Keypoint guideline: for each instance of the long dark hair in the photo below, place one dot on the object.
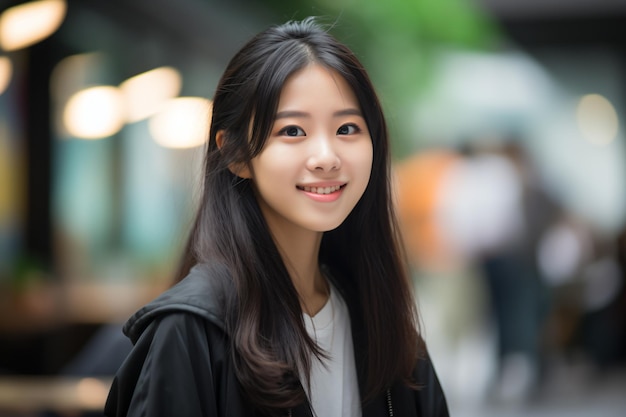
(271, 347)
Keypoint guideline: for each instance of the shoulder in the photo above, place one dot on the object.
(430, 397)
(202, 295)
(172, 369)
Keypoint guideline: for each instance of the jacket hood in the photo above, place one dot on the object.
(204, 291)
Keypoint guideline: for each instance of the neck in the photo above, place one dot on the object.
(300, 250)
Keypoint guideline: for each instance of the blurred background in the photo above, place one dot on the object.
(507, 125)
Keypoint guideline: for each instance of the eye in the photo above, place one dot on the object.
(348, 129)
(292, 131)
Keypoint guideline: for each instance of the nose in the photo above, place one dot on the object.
(323, 155)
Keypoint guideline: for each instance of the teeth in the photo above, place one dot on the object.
(322, 190)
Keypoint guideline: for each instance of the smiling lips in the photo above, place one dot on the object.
(323, 194)
(322, 190)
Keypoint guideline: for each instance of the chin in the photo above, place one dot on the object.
(327, 227)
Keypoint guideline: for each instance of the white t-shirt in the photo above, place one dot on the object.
(334, 390)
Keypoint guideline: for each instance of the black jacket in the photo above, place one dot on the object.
(180, 364)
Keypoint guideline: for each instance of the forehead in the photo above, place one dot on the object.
(318, 87)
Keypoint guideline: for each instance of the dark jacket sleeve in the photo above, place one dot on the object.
(168, 373)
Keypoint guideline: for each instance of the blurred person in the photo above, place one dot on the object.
(602, 299)
(292, 297)
(618, 304)
(496, 212)
(519, 295)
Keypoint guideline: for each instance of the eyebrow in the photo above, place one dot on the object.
(295, 113)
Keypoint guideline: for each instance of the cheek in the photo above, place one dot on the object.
(271, 165)
(366, 160)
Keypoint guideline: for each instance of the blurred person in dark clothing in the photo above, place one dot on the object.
(519, 294)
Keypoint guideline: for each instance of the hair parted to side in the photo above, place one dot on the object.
(271, 347)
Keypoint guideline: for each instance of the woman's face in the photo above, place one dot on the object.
(317, 160)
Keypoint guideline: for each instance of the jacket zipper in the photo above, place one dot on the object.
(389, 404)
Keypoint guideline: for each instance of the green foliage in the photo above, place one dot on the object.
(456, 22)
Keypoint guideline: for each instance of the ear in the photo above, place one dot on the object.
(239, 169)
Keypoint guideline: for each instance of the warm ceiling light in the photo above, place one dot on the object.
(147, 92)
(94, 113)
(182, 123)
(6, 70)
(29, 23)
(597, 119)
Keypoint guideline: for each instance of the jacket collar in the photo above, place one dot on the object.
(204, 291)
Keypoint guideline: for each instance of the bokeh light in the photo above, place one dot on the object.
(29, 23)
(182, 123)
(597, 119)
(6, 71)
(146, 93)
(94, 113)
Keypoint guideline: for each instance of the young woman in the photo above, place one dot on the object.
(293, 298)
